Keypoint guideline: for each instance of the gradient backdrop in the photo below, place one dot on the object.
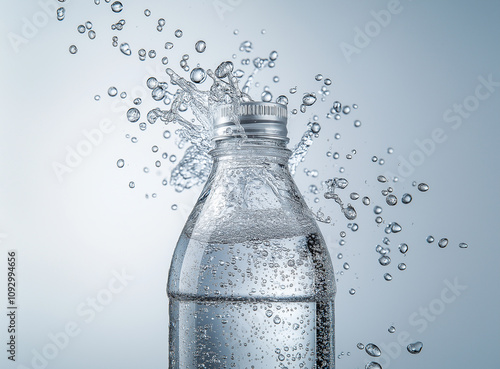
(93, 254)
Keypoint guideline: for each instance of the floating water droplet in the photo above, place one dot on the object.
(60, 13)
(384, 260)
(463, 245)
(169, 45)
(402, 266)
(112, 91)
(152, 54)
(352, 291)
(174, 206)
(415, 348)
(372, 350)
(125, 49)
(377, 210)
(318, 77)
(406, 199)
(200, 46)
(152, 83)
(403, 248)
(147, 12)
(131, 184)
(81, 28)
(391, 200)
(277, 320)
(430, 239)
(137, 101)
(337, 107)
(443, 242)
(178, 33)
(316, 127)
(117, 7)
(349, 212)
(164, 60)
(381, 179)
(73, 49)
(266, 96)
(354, 196)
(366, 200)
(360, 346)
(120, 163)
(392, 329)
(308, 99)
(133, 115)
(92, 34)
(390, 150)
(423, 187)
(346, 266)
(357, 123)
(379, 220)
(198, 75)
(373, 365)
(224, 69)
(282, 99)
(387, 277)
(396, 228)
(346, 109)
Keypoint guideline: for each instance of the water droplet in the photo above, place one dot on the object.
(387, 277)
(97, 97)
(318, 77)
(443, 242)
(374, 159)
(357, 123)
(366, 201)
(346, 266)
(390, 150)
(125, 49)
(381, 161)
(73, 49)
(346, 109)
(354, 196)
(152, 54)
(381, 179)
(117, 7)
(174, 206)
(308, 99)
(395, 227)
(269, 313)
(350, 212)
(169, 45)
(360, 346)
(423, 187)
(133, 115)
(81, 28)
(266, 96)
(178, 33)
(137, 101)
(277, 320)
(147, 12)
(406, 199)
(352, 291)
(120, 163)
(316, 127)
(391, 200)
(463, 245)
(430, 239)
(392, 329)
(92, 34)
(167, 134)
(112, 91)
(403, 248)
(373, 365)
(372, 350)
(402, 266)
(282, 99)
(384, 260)
(200, 46)
(224, 69)
(173, 158)
(60, 13)
(377, 210)
(131, 184)
(198, 75)
(152, 83)
(415, 348)
(164, 60)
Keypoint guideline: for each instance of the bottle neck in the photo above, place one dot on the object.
(251, 149)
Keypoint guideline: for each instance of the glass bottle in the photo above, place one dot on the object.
(251, 284)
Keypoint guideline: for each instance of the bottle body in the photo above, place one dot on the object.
(251, 283)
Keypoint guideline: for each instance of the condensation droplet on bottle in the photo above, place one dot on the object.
(152, 54)
(200, 46)
(372, 350)
(73, 49)
(117, 7)
(97, 97)
(406, 198)
(423, 187)
(430, 239)
(125, 49)
(198, 75)
(152, 83)
(443, 242)
(374, 159)
(133, 115)
(403, 248)
(164, 60)
(120, 163)
(415, 348)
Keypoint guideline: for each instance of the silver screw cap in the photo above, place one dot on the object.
(258, 119)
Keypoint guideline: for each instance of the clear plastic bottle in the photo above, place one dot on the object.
(251, 284)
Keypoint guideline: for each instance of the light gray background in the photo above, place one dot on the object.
(72, 234)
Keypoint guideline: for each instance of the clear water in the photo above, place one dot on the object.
(251, 305)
